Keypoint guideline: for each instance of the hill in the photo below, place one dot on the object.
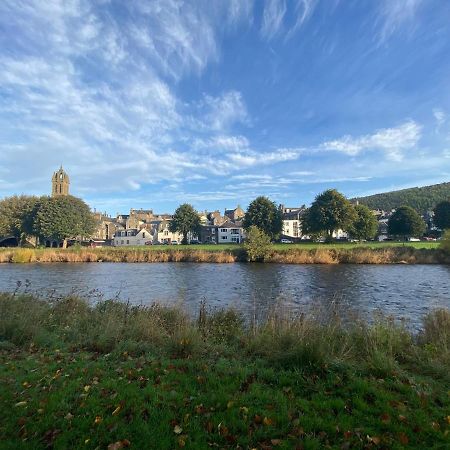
(421, 199)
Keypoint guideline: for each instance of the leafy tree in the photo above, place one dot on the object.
(406, 222)
(64, 217)
(365, 225)
(265, 215)
(445, 243)
(17, 215)
(185, 220)
(257, 244)
(329, 212)
(442, 215)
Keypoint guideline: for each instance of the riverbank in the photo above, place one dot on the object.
(114, 376)
(425, 253)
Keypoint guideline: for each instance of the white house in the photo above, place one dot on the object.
(132, 237)
(230, 233)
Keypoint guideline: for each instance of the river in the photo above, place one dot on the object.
(403, 291)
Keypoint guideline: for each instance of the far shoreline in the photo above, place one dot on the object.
(369, 253)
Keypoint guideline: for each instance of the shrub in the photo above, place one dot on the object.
(257, 244)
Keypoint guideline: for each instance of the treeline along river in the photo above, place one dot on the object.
(403, 291)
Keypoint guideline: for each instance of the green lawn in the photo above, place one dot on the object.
(110, 376)
(66, 400)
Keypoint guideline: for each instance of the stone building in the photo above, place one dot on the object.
(60, 183)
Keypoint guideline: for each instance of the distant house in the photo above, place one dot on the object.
(208, 234)
(234, 214)
(230, 233)
(132, 237)
(292, 222)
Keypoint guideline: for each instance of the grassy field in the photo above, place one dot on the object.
(112, 376)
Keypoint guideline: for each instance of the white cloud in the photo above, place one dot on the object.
(392, 141)
(285, 17)
(440, 117)
(396, 14)
(223, 111)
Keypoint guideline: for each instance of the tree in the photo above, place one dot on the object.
(365, 225)
(257, 244)
(185, 220)
(265, 215)
(17, 215)
(442, 215)
(329, 212)
(406, 222)
(64, 217)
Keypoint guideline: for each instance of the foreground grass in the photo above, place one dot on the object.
(307, 253)
(114, 376)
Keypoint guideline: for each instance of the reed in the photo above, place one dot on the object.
(295, 255)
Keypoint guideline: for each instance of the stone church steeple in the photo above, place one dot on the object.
(60, 183)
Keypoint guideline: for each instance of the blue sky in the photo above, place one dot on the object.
(154, 103)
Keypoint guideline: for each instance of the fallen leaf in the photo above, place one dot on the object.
(385, 418)
(403, 438)
(98, 419)
(276, 442)
(374, 439)
(177, 429)
(116, 446)
(267, 421)
(117, 411)
(68, 416)
(20, 404)
(181, 442)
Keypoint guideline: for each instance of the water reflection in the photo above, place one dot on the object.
(254, 289)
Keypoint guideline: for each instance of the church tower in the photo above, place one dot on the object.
(60, 183)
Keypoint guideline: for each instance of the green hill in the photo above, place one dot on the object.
(420, 198)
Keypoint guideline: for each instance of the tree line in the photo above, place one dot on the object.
(68, 217)
(422, 199)
(45, 218)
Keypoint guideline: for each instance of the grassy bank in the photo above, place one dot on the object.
(366, 253)
(114, 376)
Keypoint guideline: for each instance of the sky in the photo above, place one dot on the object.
(154, 103)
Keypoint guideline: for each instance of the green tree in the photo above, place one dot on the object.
(365, 225)
(265, 215)
(406, 222)
(17, 216)
(442, 215)
(185, 220)
(65, 217)
(257, 244)
(329, 212)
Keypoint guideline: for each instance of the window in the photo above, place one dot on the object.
(166, 233)
(143, 234)
(234, 239)
(235, 231)
(128, 242)
(213, 231)
(224, 230)
(121, 241)
(224, 237)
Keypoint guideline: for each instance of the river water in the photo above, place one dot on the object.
(403, 291)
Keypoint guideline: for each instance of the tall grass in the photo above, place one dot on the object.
(306, 341)
(286, 255)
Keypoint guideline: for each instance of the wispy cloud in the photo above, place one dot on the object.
(392, 141)
(396, 14)
(285, 17)
(440, 117)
